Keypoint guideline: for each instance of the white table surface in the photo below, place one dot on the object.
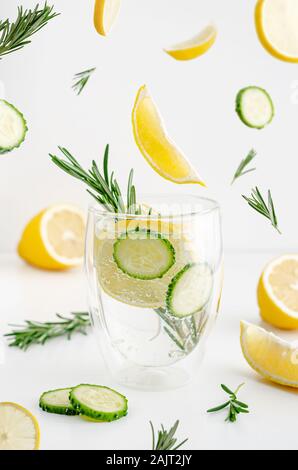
(33, 294)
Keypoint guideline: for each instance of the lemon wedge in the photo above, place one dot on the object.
(276, 25)
(19, 429)
(194, 47)
(105, 14)
(54, 238)
(155, 145)
(269, 355)
(278, 292)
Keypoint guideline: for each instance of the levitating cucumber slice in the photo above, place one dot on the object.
(97, 402)
(57, 401)
(13, 127)
(143, 254)
(189, 290)
(254, 107)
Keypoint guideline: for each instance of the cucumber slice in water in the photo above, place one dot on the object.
(57, 401)
(98, 402)
(13, 127)
(254, 107)
(190, 290)
(144, 254)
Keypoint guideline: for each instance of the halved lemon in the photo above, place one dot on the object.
(155, 145)
(269, 355)
(54, 238)
(19, 429)
(105, 14)
(278, 292)
(276, 25)
(194, 47)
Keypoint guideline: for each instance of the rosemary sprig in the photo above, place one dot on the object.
(165, 440)
(80, 80)
(104, 187)
(33, 332)
(257, 202)
(243, 164)
(15, 35)
(235, 406)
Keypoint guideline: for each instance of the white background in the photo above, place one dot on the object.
(196, 99)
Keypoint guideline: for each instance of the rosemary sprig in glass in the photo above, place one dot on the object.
(165, 440)
(104, 186)
(243, 164)
(235, 406)
(80, 80)
(15, 35)
(33, 332)
(257, 202)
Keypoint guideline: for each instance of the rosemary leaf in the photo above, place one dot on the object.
(256, 201)
(236, 407)
(165, 439)
(243, 164)
(81, 79)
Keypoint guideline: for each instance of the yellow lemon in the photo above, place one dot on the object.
(155, 145)
(194, 47)
(19, 429)
(269, 355)
(105, 14)
(54, 238)
(276, 24)
(278, 292)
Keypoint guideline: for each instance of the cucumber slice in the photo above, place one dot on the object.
(98, 402)
(254, 107)
(143, 254)
(190, 290)
(13, 127)
(57, 401)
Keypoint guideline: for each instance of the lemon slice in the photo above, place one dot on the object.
(19, 429)
(155, 145)
(129, 290)
(276, 25)
(278, 292)
(269, 355)
(195, 46)
(105, 14)
(54, 238)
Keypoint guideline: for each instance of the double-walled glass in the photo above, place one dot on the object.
(152, 331)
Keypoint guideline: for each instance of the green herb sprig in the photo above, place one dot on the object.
(15, 35)
(104, 186)
(165, 440)
(257, 202)
(33, 332)
(243, 164)
(235, 406)
(81, 79)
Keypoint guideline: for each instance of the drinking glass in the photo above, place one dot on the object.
(152, 329)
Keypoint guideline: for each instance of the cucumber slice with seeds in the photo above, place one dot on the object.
(190, 290)
(98, 402)
(13, 127)
(254, 107)
(57, 401)
(143, 254)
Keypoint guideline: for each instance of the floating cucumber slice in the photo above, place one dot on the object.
(57, 401)
(144, 254)
(254, 107)
(189, 290)
(13, 127)
(98, 402)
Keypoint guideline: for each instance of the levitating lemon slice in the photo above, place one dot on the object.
(195, 46)
(155, 145)
(269, 355)
(54, 238)
(278, 292)
(19, 429)
(276, 25)
(105, 14)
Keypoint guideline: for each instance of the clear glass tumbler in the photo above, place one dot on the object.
(155, 282)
